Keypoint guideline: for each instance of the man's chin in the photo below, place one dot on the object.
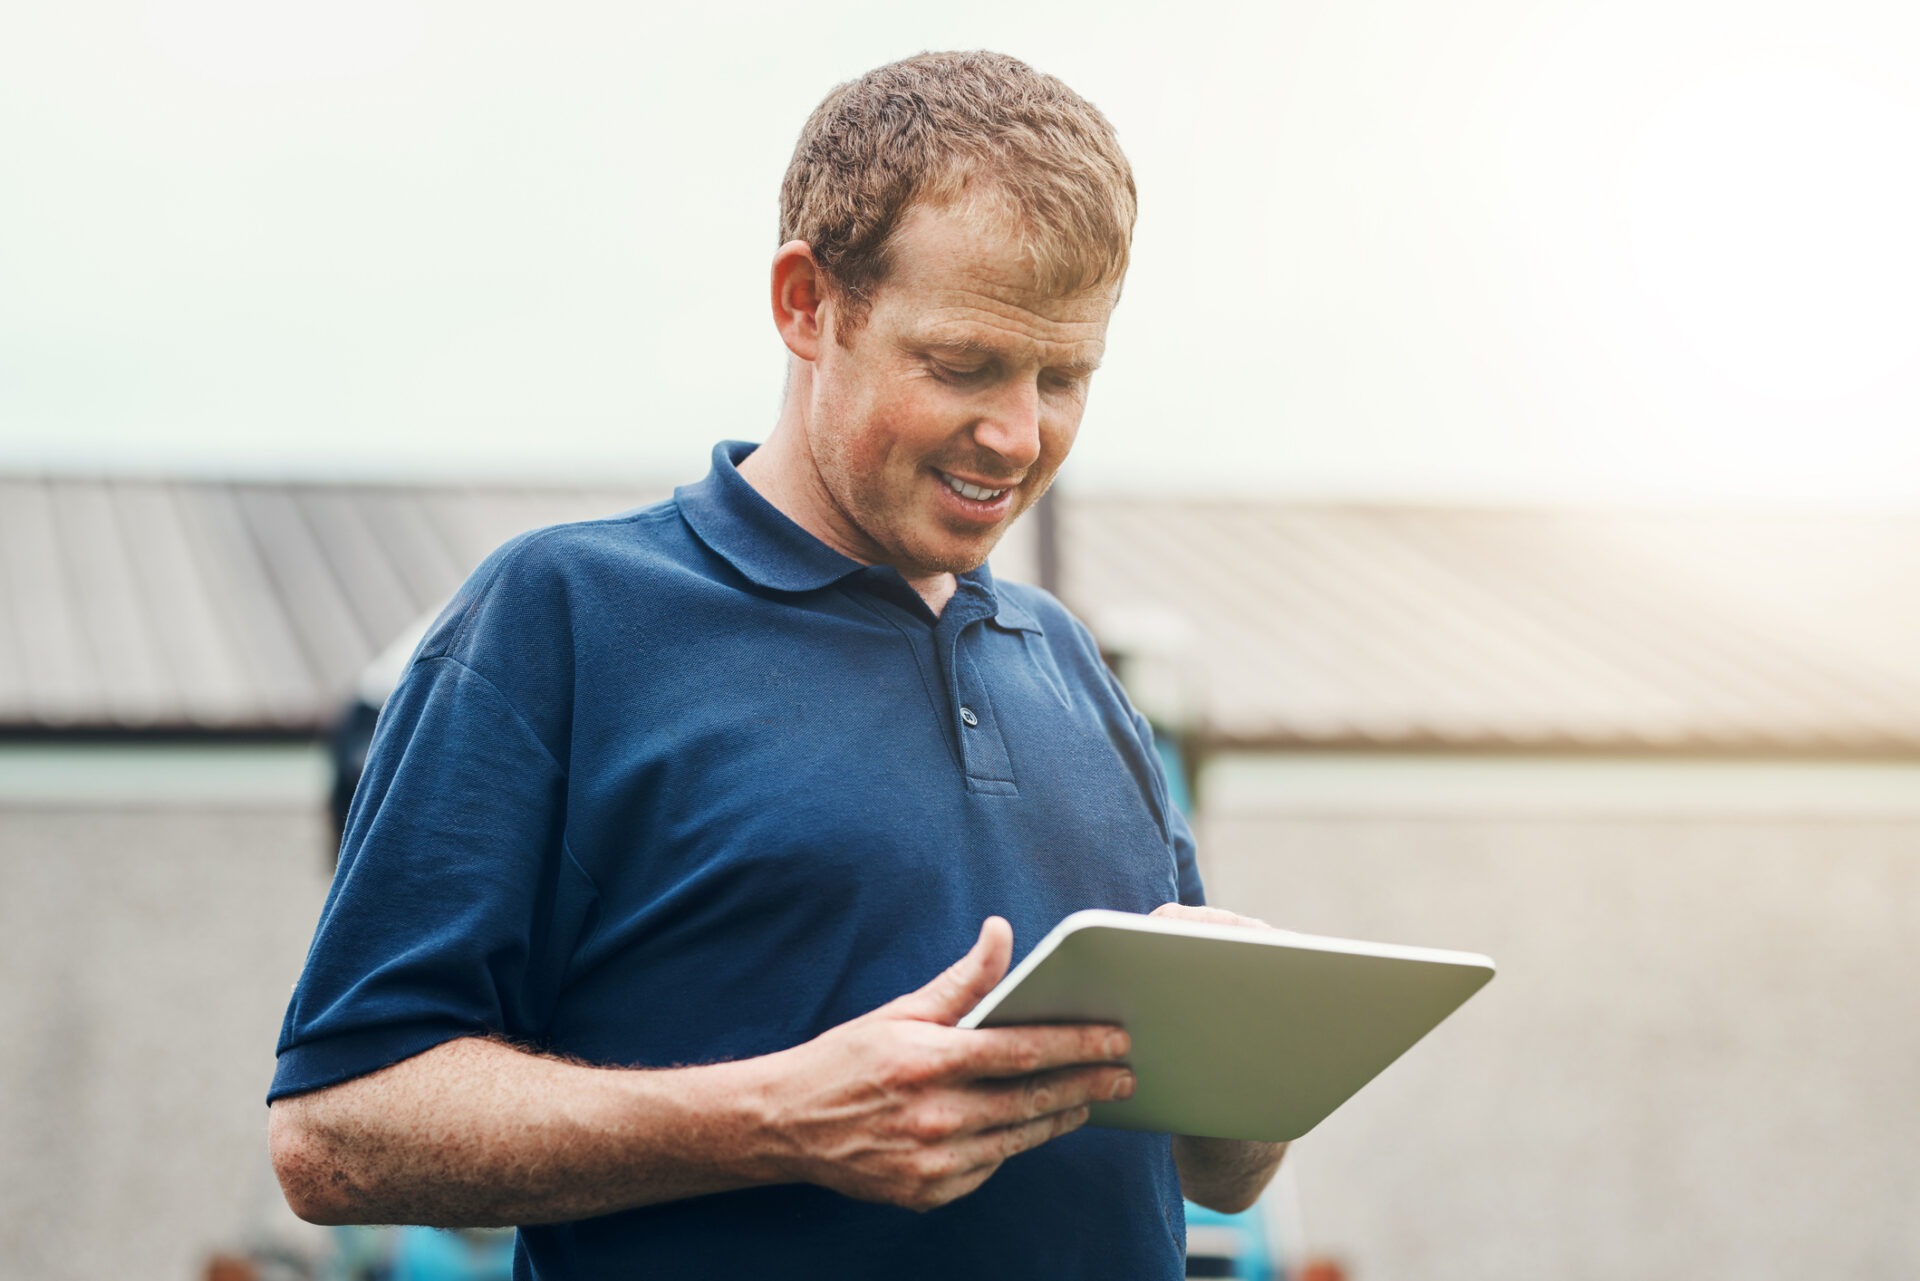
(945, 565)
(953, 558)
(931, 546)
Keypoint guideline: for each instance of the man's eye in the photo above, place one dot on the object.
(949, 374)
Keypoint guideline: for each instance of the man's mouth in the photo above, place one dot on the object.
(978, 493)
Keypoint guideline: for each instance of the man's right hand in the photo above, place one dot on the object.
(901, 1106)
(898, 1105)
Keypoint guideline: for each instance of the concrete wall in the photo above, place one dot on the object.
(1700, 1058)
(147, 952)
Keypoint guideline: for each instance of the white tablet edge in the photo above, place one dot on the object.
(1196, 929)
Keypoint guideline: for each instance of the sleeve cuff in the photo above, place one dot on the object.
(313, 1065)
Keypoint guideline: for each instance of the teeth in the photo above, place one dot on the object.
(974, 492)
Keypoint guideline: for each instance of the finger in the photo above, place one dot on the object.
(1206, 916)
(990, 1147)
(1022, 1051)
(997, 1105)
(974, 1159)
(964, 983)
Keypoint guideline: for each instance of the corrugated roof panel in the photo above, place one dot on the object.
(129, 672)
(13, 675)
(252, 606)
(1832, 669)
(1571, 645)
(418, 550)
(1447, 633)
(1558, 667)
(287, 690)
(14, 621)
(363, 568)
(1366, 624)
(535, 509)
(473, 524)
(311, 596)
(60, 680)
(1671, 629)
(1321, 650)
(1414, 682)
(209, 674)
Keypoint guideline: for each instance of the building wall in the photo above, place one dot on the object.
(149, 947)
(1700, 1057)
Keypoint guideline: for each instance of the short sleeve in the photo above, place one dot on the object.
(1186, 864)
(1155, 754)
(455, 904)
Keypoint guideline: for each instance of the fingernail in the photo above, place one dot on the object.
(1123, 1088)
(1117, 1046)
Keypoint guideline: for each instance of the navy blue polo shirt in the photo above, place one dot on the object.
(688, 785)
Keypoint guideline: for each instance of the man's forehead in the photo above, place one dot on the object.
(956, 268)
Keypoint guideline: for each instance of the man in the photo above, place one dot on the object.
(670, 809)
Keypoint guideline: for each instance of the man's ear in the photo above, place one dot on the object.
(799, 294)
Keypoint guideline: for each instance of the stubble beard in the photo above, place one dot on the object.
(918, 556)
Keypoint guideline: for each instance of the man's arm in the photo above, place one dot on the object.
(1227, 1175)
(897, 1106)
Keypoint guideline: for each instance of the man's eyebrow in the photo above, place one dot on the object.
(1081, 367)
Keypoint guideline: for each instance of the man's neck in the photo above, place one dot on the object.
(936, 591)
(776, 470)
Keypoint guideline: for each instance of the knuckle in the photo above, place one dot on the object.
(931, 1125)
(909, 1069)
(933, 1165)
(958, 1058)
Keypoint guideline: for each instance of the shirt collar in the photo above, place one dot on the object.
(1008, 612)
(734, 519)
(751, 534)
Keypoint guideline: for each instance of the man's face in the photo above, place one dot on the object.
(947, 413)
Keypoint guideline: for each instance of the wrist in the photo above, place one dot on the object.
(755, 1106)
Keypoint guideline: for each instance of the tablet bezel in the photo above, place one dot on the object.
(1296, 1025)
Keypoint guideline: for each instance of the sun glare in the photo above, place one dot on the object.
(1771, 218)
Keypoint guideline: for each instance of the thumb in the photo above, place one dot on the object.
(961, 985)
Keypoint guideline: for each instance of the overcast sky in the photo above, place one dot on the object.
(1485, 249)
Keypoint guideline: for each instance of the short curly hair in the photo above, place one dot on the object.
(980, 130)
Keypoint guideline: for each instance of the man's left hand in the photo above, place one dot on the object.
(1206, 915)
(1222, 1174)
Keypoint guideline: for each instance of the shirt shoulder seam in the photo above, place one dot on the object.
(506, 701)
(514, 547)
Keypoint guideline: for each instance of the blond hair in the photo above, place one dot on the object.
(978, 130)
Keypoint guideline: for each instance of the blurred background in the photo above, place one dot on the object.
(1503, 488)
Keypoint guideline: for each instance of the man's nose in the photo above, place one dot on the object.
(1011, 426)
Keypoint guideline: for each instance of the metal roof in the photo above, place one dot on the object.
(1377, 625)
(153, 605)
(131, 605)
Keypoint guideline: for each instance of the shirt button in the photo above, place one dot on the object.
(968, 718)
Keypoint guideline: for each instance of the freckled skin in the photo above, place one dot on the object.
(963, 368)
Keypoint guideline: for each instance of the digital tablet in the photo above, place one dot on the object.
(1238, 1032)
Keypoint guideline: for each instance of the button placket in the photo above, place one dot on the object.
(983, 749)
